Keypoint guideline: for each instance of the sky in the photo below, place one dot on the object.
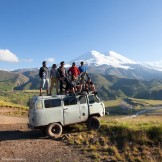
(32, 31)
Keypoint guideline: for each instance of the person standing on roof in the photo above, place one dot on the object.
(44, 76)
(62, 73)
(54, 78)
(73, 71)
(83, 74)
(82, 68)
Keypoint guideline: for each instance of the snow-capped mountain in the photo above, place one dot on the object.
(116, 64)
(154, 65)
(111, 59)
(114, 59)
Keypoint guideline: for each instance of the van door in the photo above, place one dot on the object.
(83, 107)
(71, 110)
(95, 106)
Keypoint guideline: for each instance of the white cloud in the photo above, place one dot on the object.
(8, 56)
(50, 59)
(154, 65)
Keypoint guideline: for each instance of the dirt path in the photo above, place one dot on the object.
(12, 120)
(18, 143)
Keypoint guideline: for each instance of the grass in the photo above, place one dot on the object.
(112, 103)
(121, 139)
(146, 102)
(133, 101)
(130, 106)
(18, 97)
(18, 100)
(141, 122)
(12, 105)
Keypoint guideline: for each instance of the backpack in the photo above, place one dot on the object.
(42, 72)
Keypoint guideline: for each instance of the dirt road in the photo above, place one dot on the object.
(18, 143)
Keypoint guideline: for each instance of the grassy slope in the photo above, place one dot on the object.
(18, 97)
(130, 105)
(121, 140)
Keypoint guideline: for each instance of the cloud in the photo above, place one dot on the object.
(50, 59)
(7, 56)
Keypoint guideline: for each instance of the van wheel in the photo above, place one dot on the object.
(93, 123)
(54, 130)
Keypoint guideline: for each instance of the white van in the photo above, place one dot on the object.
(54, 112)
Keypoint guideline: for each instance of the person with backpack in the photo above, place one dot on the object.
(44, 76)
(54, 78)
(61, 73)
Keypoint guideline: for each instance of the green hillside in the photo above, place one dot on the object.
(108, 86)
(10, 80)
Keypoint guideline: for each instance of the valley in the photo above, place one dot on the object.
(120, 138)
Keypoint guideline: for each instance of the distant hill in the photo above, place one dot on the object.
(112, 87)
(108, 86)
(10, 80)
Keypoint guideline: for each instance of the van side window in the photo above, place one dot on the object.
(82, 99)
(52, 103)
(92, 99)
(70, 101)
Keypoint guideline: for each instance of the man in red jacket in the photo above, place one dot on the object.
(73, 71)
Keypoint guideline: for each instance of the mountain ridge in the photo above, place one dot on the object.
(113, 74)
(115, 64)
(108, 86)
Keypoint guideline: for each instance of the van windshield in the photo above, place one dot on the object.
(92, 99)
(39, 104)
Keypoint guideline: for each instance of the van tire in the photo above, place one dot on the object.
(93, 123)
(54, 130)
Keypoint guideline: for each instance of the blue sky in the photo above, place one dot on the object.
(60, 30)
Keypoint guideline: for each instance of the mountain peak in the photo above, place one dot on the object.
(121, 58)
(111, 59)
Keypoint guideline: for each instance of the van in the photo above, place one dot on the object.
(53, 112)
